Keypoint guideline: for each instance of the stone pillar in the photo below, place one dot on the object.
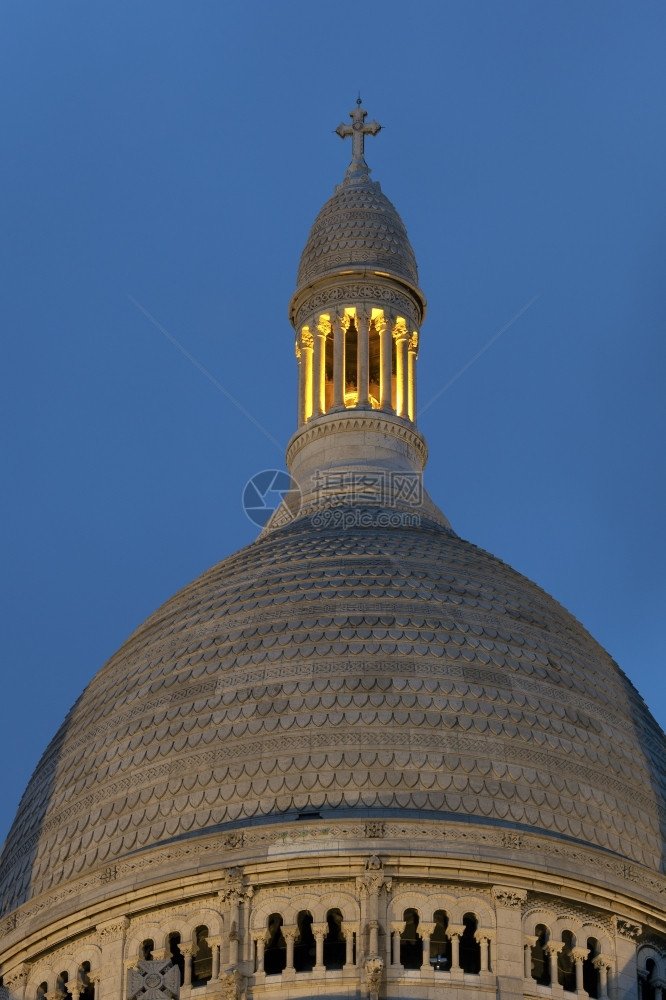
(215, 945)
(349, 946)
(260, 942)
(507, 947)
(111, 937)
(401, 389)
(484, 943)
(425, 932)
(319, 368)
(529, 944)
(340, 325)
(384, 329)
(95, 978)
(300, 416)
(307, 345)
(602, 964)
(186, 951)
(626, 977)
(579, 955)
(362, 368)
(234, 897)
(368, 887)
(289, 934)
(396, 928)
(455, 932)
(319, 931)
(412, 353)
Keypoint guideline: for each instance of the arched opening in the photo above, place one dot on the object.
(648, 992)
(411, 945)
(566, 967)
(177, 957)
(540, 962)
(146, 950)
(440, 943)
(470, 949)
(41, 991)
(202, 959)
(85, 982)
(275, 954)
(62, 985)
(334, 942)
(305, 949)
(374, 367)
(590, 974)
(351, 361)
(328, 370)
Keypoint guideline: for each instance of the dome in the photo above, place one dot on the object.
(358, 229)
(386, 672)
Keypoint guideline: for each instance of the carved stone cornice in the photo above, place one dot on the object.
(353, 420)
(112, 930)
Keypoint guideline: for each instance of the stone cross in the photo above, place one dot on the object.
(358, 130)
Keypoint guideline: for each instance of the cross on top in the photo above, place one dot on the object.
(358, 131)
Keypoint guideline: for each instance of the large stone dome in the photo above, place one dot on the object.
(396, 671)
(360, 759)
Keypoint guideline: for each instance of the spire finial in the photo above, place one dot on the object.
(358, 131)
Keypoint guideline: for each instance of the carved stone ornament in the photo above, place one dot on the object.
(374, 864)
(374, 968)
(153, 981)
(113, 930)
(508, 897)
(15, 981)
(629, 929)
(234, 887)
(233, 985)
(375, 829)
(368, 884)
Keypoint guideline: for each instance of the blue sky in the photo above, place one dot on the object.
(174, 155)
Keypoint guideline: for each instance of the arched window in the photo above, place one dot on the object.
(566, 967)
(351, 372)
(334, 942)
(648, 992)
(41, 991)
(202, 959)
(146, 950)
(275, 954)
(374, 367)
(470, 949)
(411, 945)
(590, 974)
(85, 982)
(305, 949)
(540, 962)
(440, 943)
(62, 986)
(177, 957)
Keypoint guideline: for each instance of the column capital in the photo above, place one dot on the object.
(397, 926)
(425, 929)
(455, 930)
(319, 929)
(579, 954)
(602, 962)
(484, 935)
